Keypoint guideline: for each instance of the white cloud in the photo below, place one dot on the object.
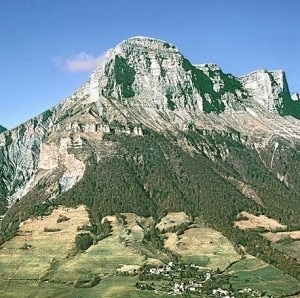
(81, 62)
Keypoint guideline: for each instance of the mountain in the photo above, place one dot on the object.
(151, 133)
(147, 83)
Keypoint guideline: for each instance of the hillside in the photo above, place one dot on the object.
(136, 258)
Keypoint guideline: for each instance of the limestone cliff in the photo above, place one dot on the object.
(270, 89)
(143, 83)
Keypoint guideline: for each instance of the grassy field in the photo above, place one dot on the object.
(249, 221)
(173, 220)
(41, 261)
(117, 287)
(203, 246)
(279, 236)
(258, 275)
(31, 254)
(292, 249)
(123, 287)
(103, 258)
(287, 242)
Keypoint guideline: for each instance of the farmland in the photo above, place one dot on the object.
(180, 255)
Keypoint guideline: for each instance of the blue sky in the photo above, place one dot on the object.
(48, 47)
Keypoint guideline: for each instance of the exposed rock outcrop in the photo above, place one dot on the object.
(151, 73)
(270, 89)
(143, 83)
(296, 97)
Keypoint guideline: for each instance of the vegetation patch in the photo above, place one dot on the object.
(204, 247)
(255, 274)
(282, 236)
(83, 241)
(172, 221)
(105, 257)
(135, 259)
(51, 230)
(289, 248)
(40, 242)
(247, 221)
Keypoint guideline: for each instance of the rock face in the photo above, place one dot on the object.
(142, 84)
(270, 89)
(19, 155)
(295, 97)
(152, 73)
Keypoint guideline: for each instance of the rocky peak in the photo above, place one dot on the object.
(138, 43)
(270, 89)
(149, 72)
